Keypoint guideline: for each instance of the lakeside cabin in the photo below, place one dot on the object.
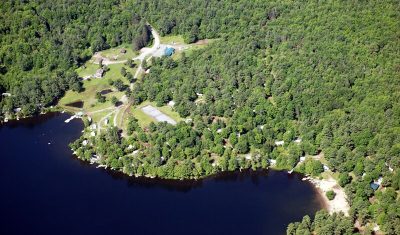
(169, 51)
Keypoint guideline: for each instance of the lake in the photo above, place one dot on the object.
(46, 190)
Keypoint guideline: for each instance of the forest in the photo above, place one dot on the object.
(326, 72)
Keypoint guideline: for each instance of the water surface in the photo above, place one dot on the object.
(45, 190)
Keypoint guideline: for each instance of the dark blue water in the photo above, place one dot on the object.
(45, 190)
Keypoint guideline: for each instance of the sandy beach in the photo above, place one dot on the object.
(339, 203)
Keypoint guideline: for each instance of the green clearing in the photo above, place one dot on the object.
(92, 86)
(96, 117)
(172, 38)
(88, 69)
(116, 52)
(115, 72)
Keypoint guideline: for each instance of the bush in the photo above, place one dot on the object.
(330, 195)
(114, 100)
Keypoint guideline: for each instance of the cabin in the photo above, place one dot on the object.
(169, 51)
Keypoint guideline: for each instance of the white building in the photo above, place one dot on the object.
(279, 143)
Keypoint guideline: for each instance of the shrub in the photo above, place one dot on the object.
(330, 195)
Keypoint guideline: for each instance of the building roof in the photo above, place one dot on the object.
(374, 186)
(169, 51)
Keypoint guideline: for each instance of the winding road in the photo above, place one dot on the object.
(147, 51)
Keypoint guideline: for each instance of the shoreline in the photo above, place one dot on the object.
(339, 203)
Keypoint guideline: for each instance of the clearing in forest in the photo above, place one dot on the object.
(157, 114)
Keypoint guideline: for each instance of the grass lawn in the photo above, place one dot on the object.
(88, 69)
(92, 86)
(115, 72)
(96, 117)
(116, 51)
(172, 38)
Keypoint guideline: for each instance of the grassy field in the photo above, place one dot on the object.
(172, 38)
(92, 86)
(116, 52)
(88, 69)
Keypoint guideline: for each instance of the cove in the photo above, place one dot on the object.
(46, 190)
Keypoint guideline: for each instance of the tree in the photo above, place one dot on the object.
(114, 101)
(130, 77)
(130, 63)
(119, 84)
(100, 98)
(123, 71)
(330, 194)
(313, 167)
(344, 179)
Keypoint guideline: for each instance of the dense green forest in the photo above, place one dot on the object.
(326, 72)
